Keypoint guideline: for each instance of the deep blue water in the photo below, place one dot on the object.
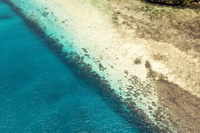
(38, 93)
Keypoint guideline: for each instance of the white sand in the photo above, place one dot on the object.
(89, 28)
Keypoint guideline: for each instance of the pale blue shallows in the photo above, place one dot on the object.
(38, 93)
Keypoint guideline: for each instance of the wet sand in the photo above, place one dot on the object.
(179, 28)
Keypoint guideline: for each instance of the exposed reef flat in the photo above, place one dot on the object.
(148, 54)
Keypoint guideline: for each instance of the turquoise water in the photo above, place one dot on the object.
(39, 93)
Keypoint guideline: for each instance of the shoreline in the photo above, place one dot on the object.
(83, 70)
(131, 84)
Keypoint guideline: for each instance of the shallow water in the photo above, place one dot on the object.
(41, 94)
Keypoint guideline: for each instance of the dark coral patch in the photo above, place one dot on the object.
(5, 17)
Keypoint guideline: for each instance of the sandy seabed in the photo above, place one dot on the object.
(130, 44)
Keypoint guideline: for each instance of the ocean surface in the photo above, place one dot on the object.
(38, 93)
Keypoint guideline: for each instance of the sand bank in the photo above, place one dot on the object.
(149, 75)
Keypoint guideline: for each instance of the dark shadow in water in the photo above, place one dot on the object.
(4, 17)
(84, 72)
